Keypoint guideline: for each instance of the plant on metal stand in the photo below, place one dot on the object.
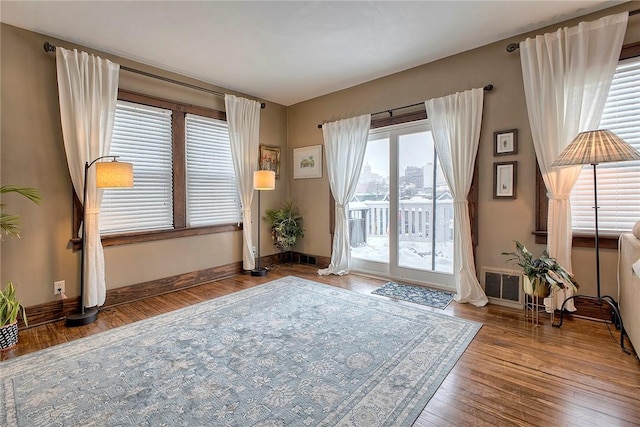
(543, 271)
(541, 275)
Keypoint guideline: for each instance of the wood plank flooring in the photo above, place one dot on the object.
(512, 374)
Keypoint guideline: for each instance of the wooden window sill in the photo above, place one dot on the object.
(582, 240)
(150, 236)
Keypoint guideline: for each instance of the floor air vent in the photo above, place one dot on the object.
(503, 287)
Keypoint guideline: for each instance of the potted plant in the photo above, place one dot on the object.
(286, 225)
(542, 273)
(10, 309)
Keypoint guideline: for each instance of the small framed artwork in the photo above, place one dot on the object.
(504, 180)
(505, 142)
(270, 159)
(307, 162)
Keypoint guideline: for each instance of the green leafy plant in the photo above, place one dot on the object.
(10, 224)
(10, 307)
(544, 269)
(286, 225)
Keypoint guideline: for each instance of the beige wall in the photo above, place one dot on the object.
(500, 221)
(32, 154)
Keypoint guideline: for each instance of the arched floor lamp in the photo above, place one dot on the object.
(262, 180)
(594, 147)
(112, 174)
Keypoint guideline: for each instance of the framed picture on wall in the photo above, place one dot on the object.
(504, 180)
(307, 162)
(270, 159)
(505, 142)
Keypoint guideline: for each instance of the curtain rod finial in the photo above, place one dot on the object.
(488, 87)
(512, 47)
(48, 47)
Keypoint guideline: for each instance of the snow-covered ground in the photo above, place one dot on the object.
(412, 254)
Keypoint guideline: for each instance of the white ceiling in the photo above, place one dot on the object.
(287, 52)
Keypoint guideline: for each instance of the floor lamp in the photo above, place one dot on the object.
(594, 147)
(262, 180)
(112, 174)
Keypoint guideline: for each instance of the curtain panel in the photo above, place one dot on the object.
(455, 122)
(243, 121)
(345, 144)
(87, 91)
(567, 75)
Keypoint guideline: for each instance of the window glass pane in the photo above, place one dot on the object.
(425, 207)
(212, 191)
(618, 183)
(369, 209)
(142, 136)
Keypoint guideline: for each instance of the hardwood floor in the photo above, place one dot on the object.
(512, 374)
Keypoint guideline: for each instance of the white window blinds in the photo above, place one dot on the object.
(142, 136)
(212, 190)
(618, 183)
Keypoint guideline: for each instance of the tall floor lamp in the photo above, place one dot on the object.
(594, 147)
(262, 180)
(112, 174)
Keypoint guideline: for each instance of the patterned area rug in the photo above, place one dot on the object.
(416, 294)
(289, 352)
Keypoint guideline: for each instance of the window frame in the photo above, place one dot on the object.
(180, 228)
(584, 240)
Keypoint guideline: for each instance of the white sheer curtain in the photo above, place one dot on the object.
(455, 122)
(88, 90)
(345, 143)
(243, 120)
(567, 75)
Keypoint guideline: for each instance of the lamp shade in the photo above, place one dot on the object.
(594, 147)
(264, 180)
(114, 174)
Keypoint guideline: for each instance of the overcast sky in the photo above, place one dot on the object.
(416, 150)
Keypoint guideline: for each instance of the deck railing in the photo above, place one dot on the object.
(372, 218)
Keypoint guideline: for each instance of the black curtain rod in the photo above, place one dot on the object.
(48, 47)
(487, 88)
(512, 47)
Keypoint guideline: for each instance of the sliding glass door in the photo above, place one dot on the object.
(401, 218)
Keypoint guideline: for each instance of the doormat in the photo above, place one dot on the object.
(416, 294)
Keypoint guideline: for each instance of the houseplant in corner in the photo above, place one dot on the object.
(286, 225)
(542, 274)
(10, 307)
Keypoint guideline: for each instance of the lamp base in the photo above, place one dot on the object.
(604, 301)
(259, 272)
(89, 316)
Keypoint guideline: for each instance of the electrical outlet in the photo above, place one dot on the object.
(58, 287)
(254, 252)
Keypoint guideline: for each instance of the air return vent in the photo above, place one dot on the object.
(503, 287)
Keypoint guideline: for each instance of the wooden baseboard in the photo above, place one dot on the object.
(49, 311)
(592, 309)
(169, 284)
(57, 310)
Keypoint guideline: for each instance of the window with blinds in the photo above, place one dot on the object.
(212, 195)
(142, 136)
(618, 183)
